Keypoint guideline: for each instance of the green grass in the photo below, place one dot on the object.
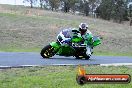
(108, 53)
(11, 49)
(56, 77)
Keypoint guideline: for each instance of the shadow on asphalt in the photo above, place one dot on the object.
(66, 58)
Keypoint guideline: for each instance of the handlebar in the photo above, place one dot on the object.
(78, 45)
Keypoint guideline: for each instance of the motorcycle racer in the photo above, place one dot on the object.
(66, 36)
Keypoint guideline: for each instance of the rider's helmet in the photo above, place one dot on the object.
(83, 28)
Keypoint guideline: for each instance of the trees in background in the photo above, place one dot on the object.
(83, 7)
(86, 8)
(105, 9)
(68, 5)
(41, 3)
(54, 4)
(113, 9)
(120, 11)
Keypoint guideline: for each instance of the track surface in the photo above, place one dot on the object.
(30, 58)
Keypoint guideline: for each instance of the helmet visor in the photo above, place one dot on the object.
(83, 31)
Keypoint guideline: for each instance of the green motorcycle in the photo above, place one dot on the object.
(78, 48)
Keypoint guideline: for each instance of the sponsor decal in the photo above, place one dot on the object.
(83, 78)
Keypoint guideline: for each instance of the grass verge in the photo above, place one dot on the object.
(56, 77)
(98, 53)
(107, 53)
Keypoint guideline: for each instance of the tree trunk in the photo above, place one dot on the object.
(66, 7)
(31, 3)
(41, 4)
(31, 6)
(130, 21)
(52, 8)
(86, 8)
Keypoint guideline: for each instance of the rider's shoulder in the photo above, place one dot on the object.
(88, 32)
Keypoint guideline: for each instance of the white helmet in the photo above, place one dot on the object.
(83, 28)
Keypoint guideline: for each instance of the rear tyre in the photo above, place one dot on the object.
(81, 57)
(47, 51)
(78, 57)
(87, 57)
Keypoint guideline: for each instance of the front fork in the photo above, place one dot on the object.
(55, 45)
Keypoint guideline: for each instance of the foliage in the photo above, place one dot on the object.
(105, 9)
(113, 9)
(54, 4)
(69, 4)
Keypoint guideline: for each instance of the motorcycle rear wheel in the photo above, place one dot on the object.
(47, 51)
(87, 57)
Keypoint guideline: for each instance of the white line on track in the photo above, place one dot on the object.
(22, 66)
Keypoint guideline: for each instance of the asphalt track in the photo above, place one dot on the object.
(30, 58)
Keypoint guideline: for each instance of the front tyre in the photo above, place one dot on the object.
(47, 51)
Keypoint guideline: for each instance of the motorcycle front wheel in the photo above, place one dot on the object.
(47, 51)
